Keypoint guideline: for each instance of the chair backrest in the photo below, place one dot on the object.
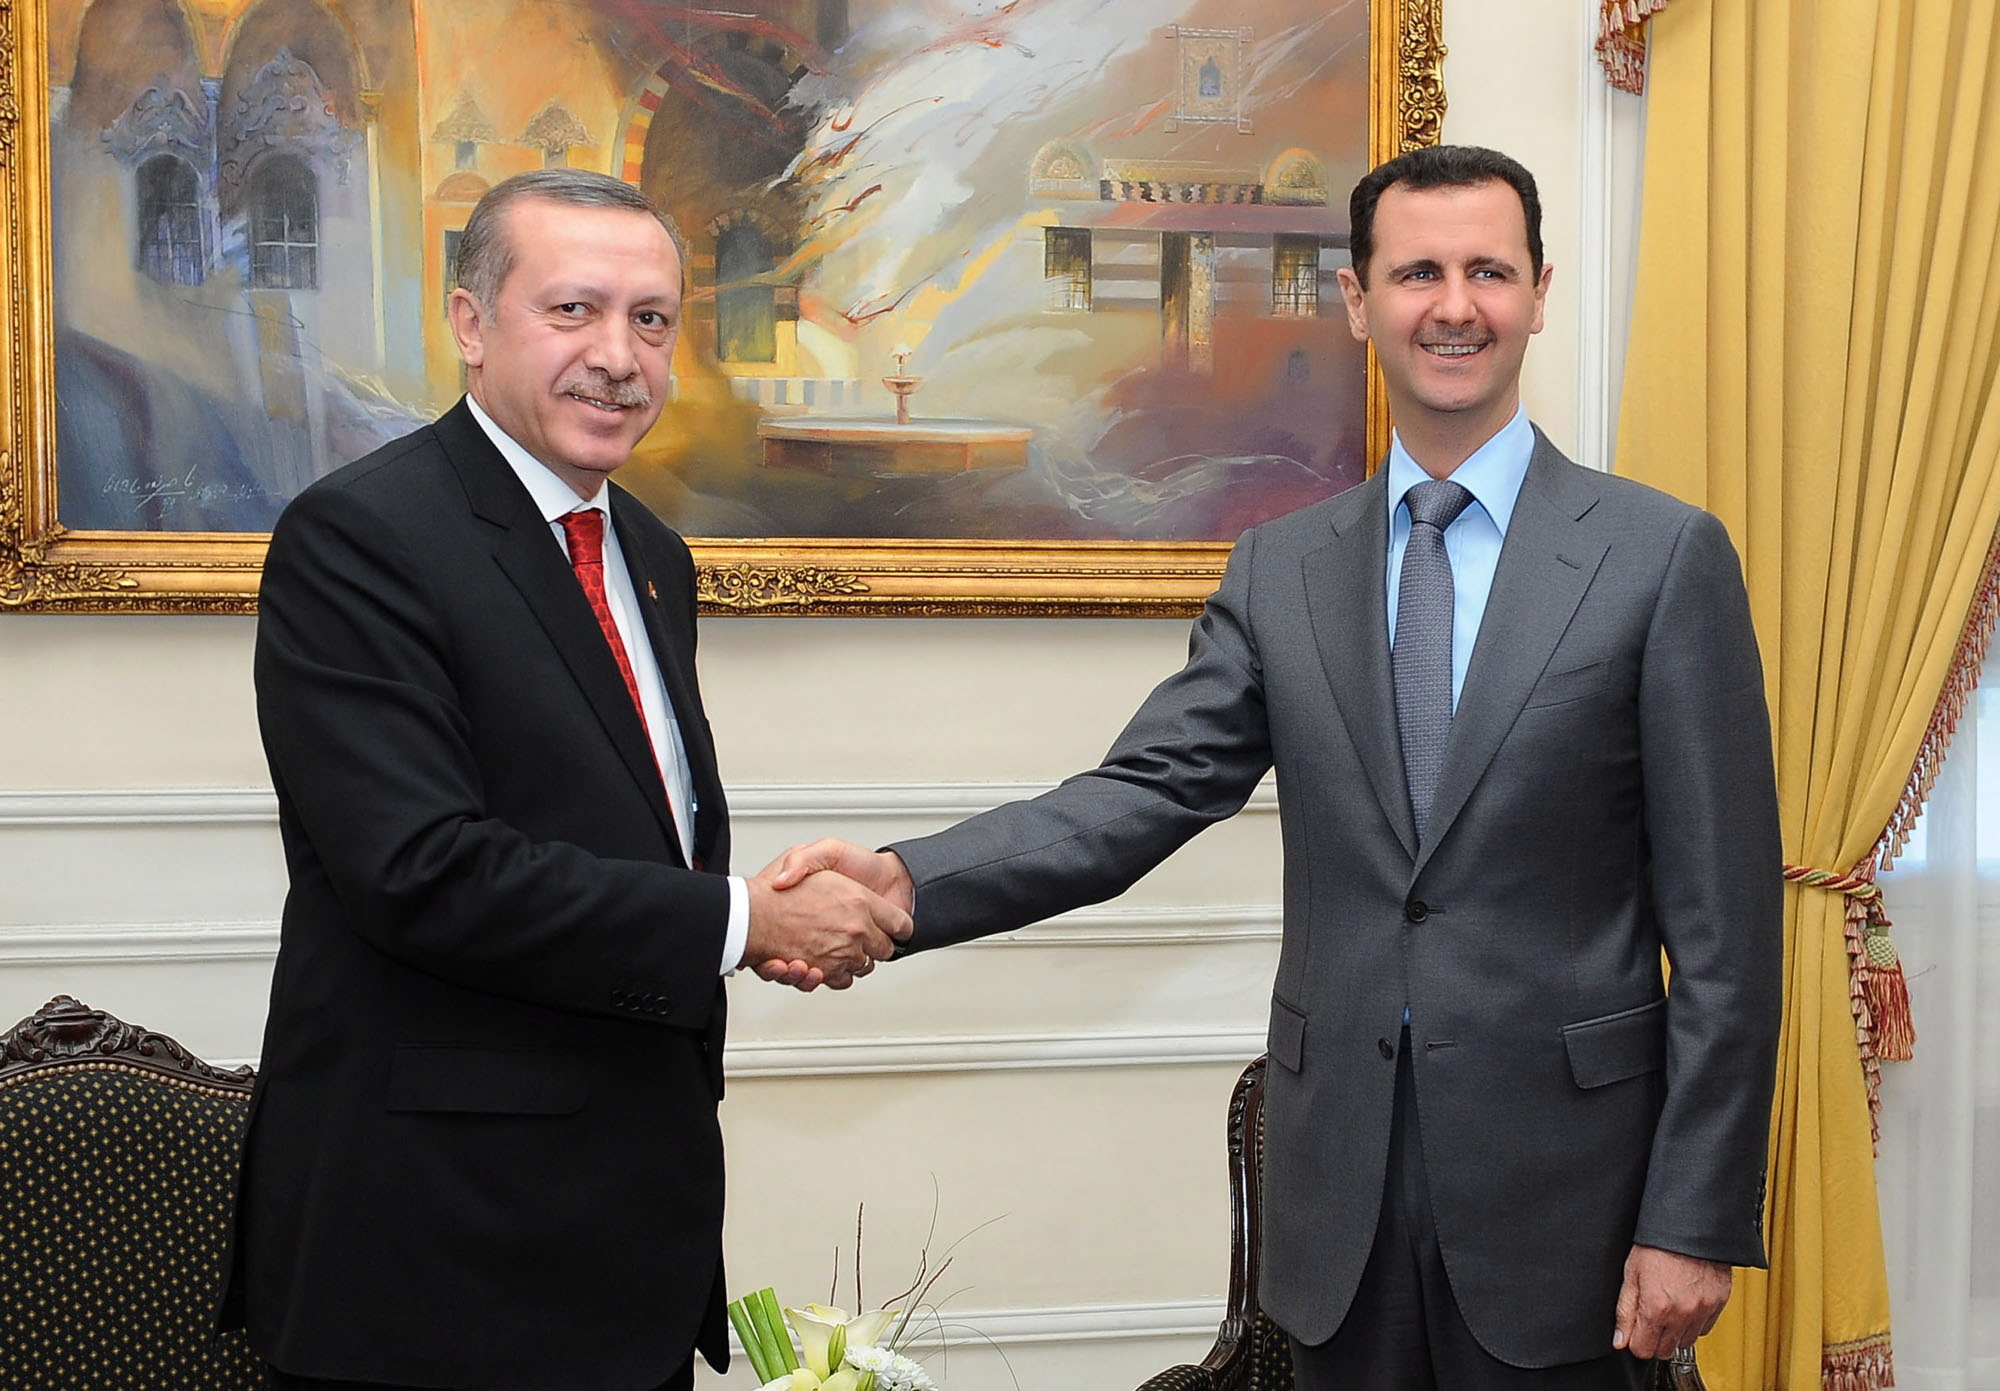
(119, 1152)
(1266, 1352)
(1251, 1353)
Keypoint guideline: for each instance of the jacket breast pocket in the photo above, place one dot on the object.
(1287, 1040)
(1613, 1047)
(490, 1081)
(1573, 684)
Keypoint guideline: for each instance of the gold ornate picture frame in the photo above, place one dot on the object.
(62, 557)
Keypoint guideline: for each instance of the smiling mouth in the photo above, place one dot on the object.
(1452, 350)
(604, 395)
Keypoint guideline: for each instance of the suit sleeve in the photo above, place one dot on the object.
(369, 748)
(1712, 822)
(1191, 756)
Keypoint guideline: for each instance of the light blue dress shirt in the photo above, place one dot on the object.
(1493, 476)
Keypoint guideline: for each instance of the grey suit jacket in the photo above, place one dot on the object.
(1607, 792)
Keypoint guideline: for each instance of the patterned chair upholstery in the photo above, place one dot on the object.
(1251, 1353)
(118, 1160)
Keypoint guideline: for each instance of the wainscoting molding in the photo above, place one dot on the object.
(153, 890)
(249, 941)
(815, 802)
(906, 1055)
(1086, 1323)
(847, 1057)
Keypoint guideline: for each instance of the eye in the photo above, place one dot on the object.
(650, 318)
(572, 309)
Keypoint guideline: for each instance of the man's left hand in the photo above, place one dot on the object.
(1668, 1301)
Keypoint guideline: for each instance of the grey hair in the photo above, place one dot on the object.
(486, 253)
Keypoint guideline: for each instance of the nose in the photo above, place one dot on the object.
(611, 349)
(1455, 303)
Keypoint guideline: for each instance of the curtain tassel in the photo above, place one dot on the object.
(1884, 1027)
(1864, 1365)
(1872, 959)
(1888, 991)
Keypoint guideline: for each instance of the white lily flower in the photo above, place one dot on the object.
(825, 1334)
(867, 1329)
(816, 1324)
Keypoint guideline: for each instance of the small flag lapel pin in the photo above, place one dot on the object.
(651, 592)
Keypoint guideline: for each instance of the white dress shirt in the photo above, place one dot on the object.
(555, 498)
(1493, 475)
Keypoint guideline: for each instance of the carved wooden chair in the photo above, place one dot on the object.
(1251, 1353)
(118, 1160)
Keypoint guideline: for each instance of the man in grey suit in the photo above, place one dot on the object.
(1500, 1153)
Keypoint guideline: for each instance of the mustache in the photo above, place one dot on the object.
(601, 388)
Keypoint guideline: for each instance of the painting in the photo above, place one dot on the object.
(994, 306)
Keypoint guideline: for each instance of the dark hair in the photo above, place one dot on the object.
(485, 252)
(1439, 166)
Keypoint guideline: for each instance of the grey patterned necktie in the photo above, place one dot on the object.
(1420, 656)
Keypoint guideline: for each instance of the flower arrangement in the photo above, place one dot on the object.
(833, 1352)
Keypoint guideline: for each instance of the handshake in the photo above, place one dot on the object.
(825, 913)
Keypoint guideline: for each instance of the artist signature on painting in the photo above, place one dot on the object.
(164, 494)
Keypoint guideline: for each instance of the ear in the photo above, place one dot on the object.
(468, 326)
(1541, 296)
(1353, 295)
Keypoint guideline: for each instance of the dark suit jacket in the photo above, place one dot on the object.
(1607, 791)
(483, 1149)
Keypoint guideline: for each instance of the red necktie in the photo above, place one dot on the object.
(585, 530)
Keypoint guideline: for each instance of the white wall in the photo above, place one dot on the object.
(1067, 1086)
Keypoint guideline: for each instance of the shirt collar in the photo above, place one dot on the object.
(553, 497)
(1493, 474)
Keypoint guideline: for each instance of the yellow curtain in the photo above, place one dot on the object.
(1814, 358)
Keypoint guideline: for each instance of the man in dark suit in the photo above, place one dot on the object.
(1500, 1153)
(483, 1151)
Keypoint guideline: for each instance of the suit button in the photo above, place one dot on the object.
(1416, 910)
(1387, 1049)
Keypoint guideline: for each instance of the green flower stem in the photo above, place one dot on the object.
(747, 1333)
(771, 1320)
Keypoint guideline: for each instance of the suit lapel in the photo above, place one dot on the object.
(669, 627)
(1350, 619)
(527, 552)
(1546, 564)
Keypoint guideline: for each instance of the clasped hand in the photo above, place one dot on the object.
(825, 913)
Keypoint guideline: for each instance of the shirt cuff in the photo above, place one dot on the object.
(737, 935)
